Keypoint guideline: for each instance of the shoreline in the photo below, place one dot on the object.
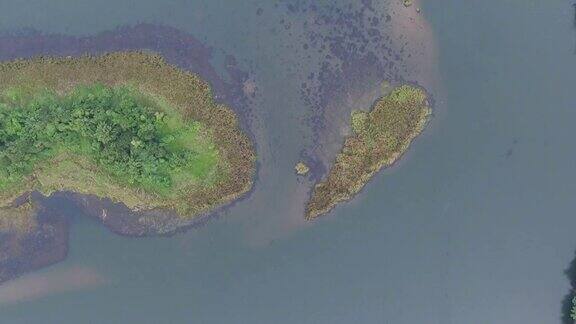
(180, 50)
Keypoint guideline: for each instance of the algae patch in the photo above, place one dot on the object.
(379, 138)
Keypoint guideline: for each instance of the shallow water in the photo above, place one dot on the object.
(473, 226)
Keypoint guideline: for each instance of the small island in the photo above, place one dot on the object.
(301, 169)
(124, 126)
(378, 139)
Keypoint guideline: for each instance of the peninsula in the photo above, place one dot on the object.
(378, 139)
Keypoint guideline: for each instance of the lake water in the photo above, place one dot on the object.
(475, 225)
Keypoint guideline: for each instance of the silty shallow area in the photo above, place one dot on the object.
(473, 226)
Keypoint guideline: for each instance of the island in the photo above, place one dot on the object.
(125, 126)
(301, 168)
(379, 138)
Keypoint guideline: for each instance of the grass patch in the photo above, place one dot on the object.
(379, 138)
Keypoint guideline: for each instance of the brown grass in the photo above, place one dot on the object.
(379, 138)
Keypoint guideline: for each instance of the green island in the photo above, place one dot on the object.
(378, 139)
(125, 126)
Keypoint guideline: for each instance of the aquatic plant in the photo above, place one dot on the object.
(379, 138)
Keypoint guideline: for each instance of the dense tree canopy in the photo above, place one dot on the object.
(118, 128)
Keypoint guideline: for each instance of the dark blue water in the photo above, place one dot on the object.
(475, 225)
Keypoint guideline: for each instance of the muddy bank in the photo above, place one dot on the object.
(47, 243)
(123, 221)
(44, 244)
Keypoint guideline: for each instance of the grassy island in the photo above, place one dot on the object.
(379, 138)
(125, 126)
(301, 169)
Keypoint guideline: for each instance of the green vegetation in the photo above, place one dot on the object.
(379, 138)
(573, 309)
(117, 129)
(359, 119)
(125, 126)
